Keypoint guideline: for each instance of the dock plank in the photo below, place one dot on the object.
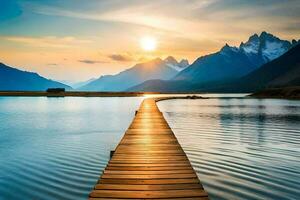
(149, 194)
(149, 163)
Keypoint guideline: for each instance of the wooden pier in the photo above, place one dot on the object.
(149, 163)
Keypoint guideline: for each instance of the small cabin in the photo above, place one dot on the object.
(56, 90)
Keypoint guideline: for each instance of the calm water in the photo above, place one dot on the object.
(240, 148)
(55, 148)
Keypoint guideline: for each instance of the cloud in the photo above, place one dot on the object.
(121, 57)
(157, 14)
(48, 41)
(200, 18)
(86, 61)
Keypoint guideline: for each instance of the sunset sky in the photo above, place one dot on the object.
(76, 40)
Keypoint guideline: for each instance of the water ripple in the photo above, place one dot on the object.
(240, 149)
(56, 148)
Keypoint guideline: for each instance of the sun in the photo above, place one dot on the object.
(148, 43)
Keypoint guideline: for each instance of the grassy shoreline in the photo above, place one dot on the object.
(72, 94)
(88, 94)
(278, 93)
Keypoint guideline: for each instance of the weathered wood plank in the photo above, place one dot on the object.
(193, 198)
(146, 187)
(151, 181)
(149, 163)
(149, 194)
(189, 171)
(148, 168)
(148, 176)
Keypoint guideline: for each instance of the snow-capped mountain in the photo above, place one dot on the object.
(174, 64)
(226, 50)
(225, 65)
(266, 45)
(281, 72)
(228, 63)
(234, 62)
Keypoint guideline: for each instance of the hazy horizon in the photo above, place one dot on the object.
(71, 41)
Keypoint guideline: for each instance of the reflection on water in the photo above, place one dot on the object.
(240, 148)
(55, 148)
(211, 95)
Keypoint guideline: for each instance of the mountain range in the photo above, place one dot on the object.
(262, 61)
(281, 72)
(226, 65)
(83, 83)
(17, 80)
(233, 62)
(154, 69)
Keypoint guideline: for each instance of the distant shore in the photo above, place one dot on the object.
(90, 94)
(72, 94)
(282, 93)
(279, 93)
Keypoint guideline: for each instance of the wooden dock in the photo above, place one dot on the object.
(149, 163)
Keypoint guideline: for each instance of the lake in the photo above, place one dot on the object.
(240, 148)
(56, 148)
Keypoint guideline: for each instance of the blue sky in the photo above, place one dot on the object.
(77, 39)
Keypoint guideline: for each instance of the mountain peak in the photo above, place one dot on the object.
(225, 47)
(228, 48)
(253, 38)
(266, 34)
(171, 60)
(184, 63)
(174, 64)
(266, 46)
(140, 72)
(155, 60)
(252, 45)
(254, 35)
(268, 37)
(295, 42)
